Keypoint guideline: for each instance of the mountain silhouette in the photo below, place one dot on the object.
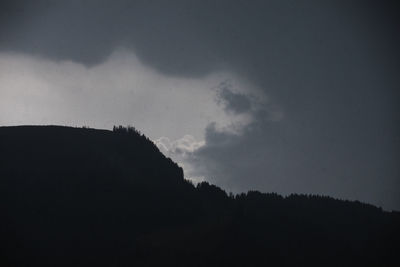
(86, 197)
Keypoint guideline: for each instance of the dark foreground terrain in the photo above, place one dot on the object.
(85, 197)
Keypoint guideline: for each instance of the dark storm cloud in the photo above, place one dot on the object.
(161, 32)
(332, 67)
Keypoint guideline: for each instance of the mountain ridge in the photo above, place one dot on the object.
(81, 196)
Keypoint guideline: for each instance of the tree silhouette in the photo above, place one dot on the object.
(73, 196)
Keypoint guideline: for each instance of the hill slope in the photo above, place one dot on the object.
(81, 197)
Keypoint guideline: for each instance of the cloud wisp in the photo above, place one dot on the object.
(200, 159)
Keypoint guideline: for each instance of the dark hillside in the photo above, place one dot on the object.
(85, 197)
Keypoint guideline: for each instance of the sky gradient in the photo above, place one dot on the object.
(282, 96)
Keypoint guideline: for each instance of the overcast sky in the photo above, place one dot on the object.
(283, 96)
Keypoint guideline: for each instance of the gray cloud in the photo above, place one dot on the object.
(233, 102)
(332, 67)
(274, 156)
